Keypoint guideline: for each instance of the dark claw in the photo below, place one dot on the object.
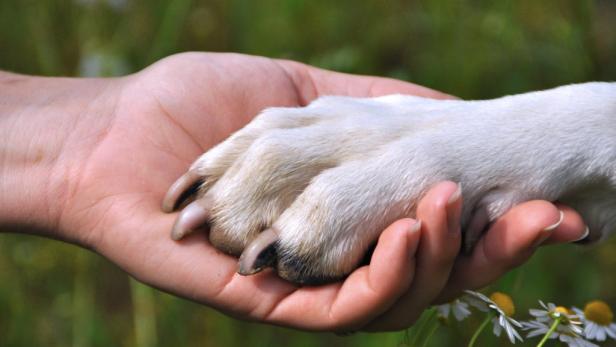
(180, 190)
(259, 254)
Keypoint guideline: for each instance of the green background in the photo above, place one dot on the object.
(53, 294)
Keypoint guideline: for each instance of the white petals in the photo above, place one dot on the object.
(573, 328)
(501, 321)
(611, 330)
(595, 331)
(459, 308)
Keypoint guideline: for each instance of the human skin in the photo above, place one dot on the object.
(88, 161)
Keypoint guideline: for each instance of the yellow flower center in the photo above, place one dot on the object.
(504, 302)
(562, 310)
(599, 312)
(566, 315)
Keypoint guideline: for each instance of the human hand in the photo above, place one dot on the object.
(115, 150)
(509, 242)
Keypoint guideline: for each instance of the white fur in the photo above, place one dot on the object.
(330, 176)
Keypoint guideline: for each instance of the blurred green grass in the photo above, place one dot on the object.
(53, 294)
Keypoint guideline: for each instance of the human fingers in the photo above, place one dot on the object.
(365, 294)
(439, 212)
(510, 241)
(572, 228)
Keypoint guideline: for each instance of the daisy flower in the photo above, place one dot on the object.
(598, 321)
(500, 307)
(556, 322)
(539, 328)
(569, 324)
(458, 307)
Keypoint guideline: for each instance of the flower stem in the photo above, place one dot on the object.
(432, 331)
(549, 333)
(479, 330)
(418, 330)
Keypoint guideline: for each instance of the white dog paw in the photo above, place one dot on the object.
(308, 190)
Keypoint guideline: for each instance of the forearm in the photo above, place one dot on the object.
(38, 117)
(24, 155)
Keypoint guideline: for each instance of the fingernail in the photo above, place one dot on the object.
(555, 225)
(454, 210)
(455, 196)
(415, 227)
(584, 235)
(547, 231)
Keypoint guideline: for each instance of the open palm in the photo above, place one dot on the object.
(164, 117)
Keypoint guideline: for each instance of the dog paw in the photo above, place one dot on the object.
(308, 190)
(313, 177)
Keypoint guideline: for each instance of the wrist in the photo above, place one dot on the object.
(39, 124)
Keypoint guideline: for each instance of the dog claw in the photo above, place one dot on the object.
(192, 217)
(180, 190)
(259, 254)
